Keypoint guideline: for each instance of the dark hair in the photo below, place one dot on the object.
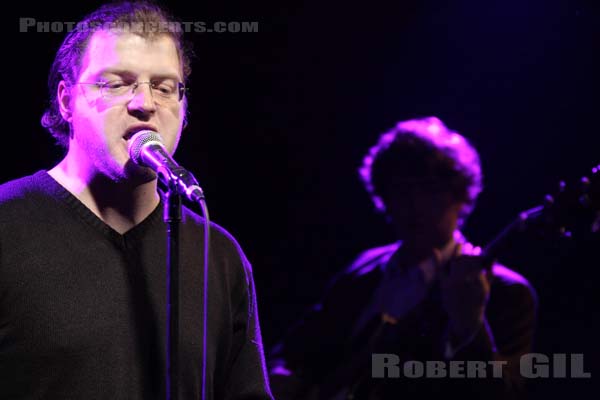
(142, 18)
(422, 149)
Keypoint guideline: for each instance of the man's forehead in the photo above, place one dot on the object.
(130, 52)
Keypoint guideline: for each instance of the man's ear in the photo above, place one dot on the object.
(63, 97)
(463, 213)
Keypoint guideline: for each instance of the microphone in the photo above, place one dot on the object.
(146, 149)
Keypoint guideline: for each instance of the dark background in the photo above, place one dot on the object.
(280, 121)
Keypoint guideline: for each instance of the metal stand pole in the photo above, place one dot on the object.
(172, 217)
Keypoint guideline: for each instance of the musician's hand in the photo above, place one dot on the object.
(465, 291)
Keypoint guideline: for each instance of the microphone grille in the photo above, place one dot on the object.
(138, 141)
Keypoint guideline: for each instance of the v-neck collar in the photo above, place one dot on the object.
(59, 192)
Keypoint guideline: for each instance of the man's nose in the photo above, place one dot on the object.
(142, 98)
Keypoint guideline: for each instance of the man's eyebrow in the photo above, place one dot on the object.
(115, 71)
(129, 74)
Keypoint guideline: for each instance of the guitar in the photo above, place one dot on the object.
(571, 212)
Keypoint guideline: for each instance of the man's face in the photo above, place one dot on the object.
(424, 213)
(101, 125)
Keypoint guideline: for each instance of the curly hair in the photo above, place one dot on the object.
(118, 17)
(418, 150)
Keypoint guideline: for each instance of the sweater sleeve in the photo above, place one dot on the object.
(247, 379)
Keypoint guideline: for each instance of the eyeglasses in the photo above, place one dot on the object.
(166, 90)
(421, 186)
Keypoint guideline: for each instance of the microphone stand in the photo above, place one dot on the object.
(172, 218)
(146, 149)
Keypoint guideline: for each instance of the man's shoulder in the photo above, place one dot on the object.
(507, 276)
(503, 277)
(217, 231)
(221, 240)
(19, 190)
(371, 259)
(16, 188)
(508, 283)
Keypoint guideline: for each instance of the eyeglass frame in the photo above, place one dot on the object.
(181, 88)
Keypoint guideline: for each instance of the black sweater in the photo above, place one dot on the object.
(82, 307)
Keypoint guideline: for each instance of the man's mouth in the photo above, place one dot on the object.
(137, 128)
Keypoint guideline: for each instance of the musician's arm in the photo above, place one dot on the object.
(505, 335)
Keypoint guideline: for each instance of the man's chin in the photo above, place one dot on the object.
(139, 174)
(415, 233)
(421, 237)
